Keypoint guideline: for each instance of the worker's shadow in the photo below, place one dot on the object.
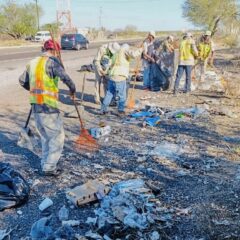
(64, 97)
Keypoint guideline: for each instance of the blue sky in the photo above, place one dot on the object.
(145, 14)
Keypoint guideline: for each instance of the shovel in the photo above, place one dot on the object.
(81, 107)
(26, 137)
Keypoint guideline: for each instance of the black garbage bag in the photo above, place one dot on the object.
(159, 78)
(14, 190)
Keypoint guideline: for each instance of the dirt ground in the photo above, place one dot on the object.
(199, 185)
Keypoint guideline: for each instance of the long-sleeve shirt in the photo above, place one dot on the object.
(53, 69)
(102, 54)
(129, 54)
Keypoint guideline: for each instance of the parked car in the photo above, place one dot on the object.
(74, 41)
(42, 36)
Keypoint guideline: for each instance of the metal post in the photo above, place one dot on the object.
(37, 10)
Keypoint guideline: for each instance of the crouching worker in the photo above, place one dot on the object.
(118, 74)
(41, 80)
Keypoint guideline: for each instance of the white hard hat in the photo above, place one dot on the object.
(188, 34)
(125, 46)
(113, 47)
(152, 33)
(208, 33)
(170, 37)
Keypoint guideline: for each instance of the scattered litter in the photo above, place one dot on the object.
(141, 114)
(14, 190)
(4, 234)
(192, 112)
(41, 229)
(98, 166)
(63, 213)
(91, 191)
(91, 221)
(46, 203)
(99, 132)
(223, 222)
(71, 223)
(129, 204)
(87, 68)
(152, 122)
(19, 212)
(154, 236)
(93, 235)
(184, 211)
(166, 149)
(64, 232)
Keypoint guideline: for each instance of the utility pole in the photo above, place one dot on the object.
(100, 18)
(37, 10)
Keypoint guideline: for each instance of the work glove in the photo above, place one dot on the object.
(73, 96)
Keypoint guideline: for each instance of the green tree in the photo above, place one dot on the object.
(18, 20)
(210, 13)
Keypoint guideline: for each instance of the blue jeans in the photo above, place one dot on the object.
(146, 78)
(117, 89)
(180, 71)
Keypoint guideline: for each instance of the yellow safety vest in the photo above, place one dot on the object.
(43, 89)
(186, 52)
(204, 50)
(120, 65)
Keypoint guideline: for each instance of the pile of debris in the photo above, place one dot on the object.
(130, 211)
(153, 115)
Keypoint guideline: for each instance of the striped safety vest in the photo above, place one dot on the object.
(204, 49)
(43, 89)
(120, 65)
(186, 52)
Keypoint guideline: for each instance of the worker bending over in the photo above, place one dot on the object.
(118, 73)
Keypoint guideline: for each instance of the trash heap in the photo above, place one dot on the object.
(153, 115)
(129, 211)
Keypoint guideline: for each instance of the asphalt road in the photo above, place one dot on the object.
(18, 53)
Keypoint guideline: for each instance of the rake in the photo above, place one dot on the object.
(85, 141)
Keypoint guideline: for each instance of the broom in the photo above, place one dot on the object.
(131, 100)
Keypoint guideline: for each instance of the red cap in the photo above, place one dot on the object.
(50, 45)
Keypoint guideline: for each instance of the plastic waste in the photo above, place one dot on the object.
(46, 203)
(155, 236)
(166, 149)
(64, 232)
(159, 78)
(141, 114)
(152, 122)
(14, 190)
(4, 234)
(99, 132)
(63, 213)
(41, 229)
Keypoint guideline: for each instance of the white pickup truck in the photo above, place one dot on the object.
(42, 36)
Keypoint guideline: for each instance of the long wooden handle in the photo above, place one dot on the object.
(83, 87)
(78, 113)
(29, 115)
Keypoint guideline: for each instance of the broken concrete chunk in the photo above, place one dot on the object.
(91, 191)
(46, 203)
